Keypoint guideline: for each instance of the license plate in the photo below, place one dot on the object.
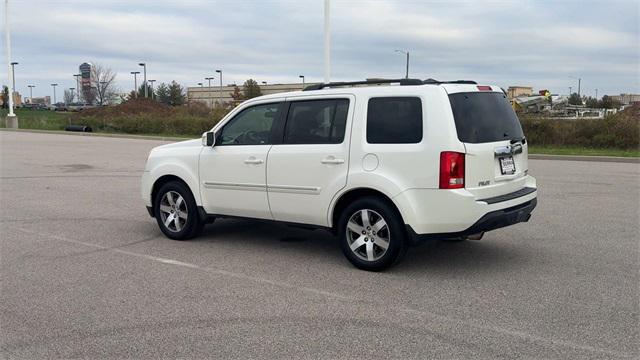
(507, 166)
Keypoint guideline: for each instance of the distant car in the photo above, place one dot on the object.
(382, 167)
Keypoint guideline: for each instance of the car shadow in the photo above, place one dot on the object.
(494, 253)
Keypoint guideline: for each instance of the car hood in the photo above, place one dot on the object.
(182, 144)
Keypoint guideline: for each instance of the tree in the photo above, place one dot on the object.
(162, 94)
(103, 87)
(591, 102)
(176, 94)
(574, 99)
(250, 89)
(236, 94)
(141, 91)
(608, 102)
(68, 96)
(5, 97)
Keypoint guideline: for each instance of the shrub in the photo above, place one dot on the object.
(621, 130)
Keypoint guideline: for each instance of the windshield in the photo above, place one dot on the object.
(484, 117)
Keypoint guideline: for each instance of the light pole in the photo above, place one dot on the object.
(579, 81)
(264, 83)
(407, 54)
(302, 77)
(596, 94)
(152, 91)
(570, 89)
(54, 92)
(327, 42)
(145, 78)
(13, 75)
(12, 120)
(209, 79)
(135, 82)
(220, 92)
(31, 93)
(200, 84)
(71, 89)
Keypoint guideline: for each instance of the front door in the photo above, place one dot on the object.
(233, 171)
(310, 166)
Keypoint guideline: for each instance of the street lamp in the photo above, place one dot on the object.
(302, 77)
(77, 76)
(596, 94)
(209, 79)
(13, 75)
(200, 84)
(220, 92)
(135, 82)
(264, 83)
(54, 92)
(579, 81)
(152, 91)
(145, 78)
(407, 54)
(31, 93)
(11, 120)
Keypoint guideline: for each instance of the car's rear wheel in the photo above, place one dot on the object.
(371, 234)
(176, 211)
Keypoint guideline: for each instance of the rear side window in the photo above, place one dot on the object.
(484, 117)
(316, 122)
(394, 120)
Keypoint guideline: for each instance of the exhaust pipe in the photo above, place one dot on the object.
(477, 236)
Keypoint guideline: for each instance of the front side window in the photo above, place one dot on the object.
(394, 120)
(252, 126)
(316, 122)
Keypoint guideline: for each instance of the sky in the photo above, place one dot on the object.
(543, 44)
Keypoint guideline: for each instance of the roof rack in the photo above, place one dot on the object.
(436, 82)
(365, 82)
(402, 82)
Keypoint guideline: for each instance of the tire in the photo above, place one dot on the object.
(353, 229)
(167, 204)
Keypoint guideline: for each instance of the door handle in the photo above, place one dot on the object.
(332, 160)
(253, 160)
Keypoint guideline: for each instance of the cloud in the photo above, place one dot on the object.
(505, 42)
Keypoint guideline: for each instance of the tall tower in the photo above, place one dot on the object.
(86, 81)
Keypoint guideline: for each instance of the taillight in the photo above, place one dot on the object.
(484, 88)
(451, 170)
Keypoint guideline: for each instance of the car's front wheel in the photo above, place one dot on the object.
(372, 234)
(176, 211)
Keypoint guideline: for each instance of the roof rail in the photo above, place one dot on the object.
(436, 82)
(366, 82)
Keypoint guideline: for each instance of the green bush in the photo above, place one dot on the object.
(618, 131)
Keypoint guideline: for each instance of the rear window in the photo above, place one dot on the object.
(484, 117)
(394, 120)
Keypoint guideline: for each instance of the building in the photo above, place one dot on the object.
(45, 100)
(213, 95)
(515, 91)
(626, 99)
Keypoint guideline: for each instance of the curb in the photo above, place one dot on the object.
(618, 159)
(109, 135)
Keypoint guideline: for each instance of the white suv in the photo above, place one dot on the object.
(382, 165)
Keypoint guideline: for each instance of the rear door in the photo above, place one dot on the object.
(496, 150)
(310, 165)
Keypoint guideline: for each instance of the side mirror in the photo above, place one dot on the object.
(209, 139)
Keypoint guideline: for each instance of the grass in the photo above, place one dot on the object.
(38, 119)
(576, 150)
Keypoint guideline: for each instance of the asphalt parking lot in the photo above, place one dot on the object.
(85, 272)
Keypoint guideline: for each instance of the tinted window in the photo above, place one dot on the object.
(394, 120)
(484, 117)
(316, 122)
(252, 126)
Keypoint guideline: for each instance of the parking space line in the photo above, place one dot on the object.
(403, 309)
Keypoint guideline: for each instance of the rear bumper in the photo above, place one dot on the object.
(490, 221)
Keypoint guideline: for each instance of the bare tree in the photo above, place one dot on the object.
(68, 96)
(103, 83)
